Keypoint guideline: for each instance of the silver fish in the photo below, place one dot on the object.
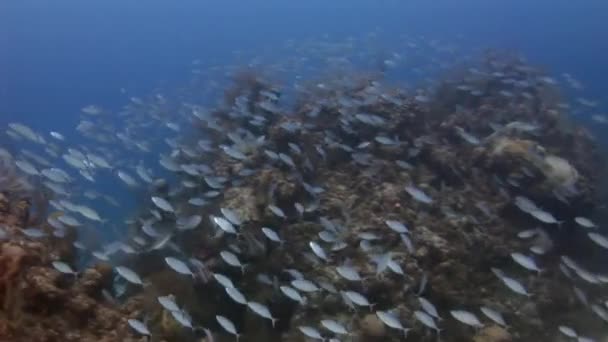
(287, 160)
(69, 221)
(600, 312)
(327, 236)
(139, 326)
(515, 285)
(98, 161)
(381, 261)
(390, 320)
(182, 318)
(540, 250)
(56, 175)
(143, 174)
(168, 302)
(368, 236)
(75, 162)
(126, 178)
(527, 234)
(63, 267)
(292, 294)
(227, 325)
(567, 331)
(129, 275)
(234, 153)
(89, 213)
(599, 239)
(161, 242)
(357, 298)
(277, 211)
(25, 131)
(318, 250)
(525, 261)
(493, 315)
(397, 226)
(349, 273)
(418, 194)
(236, 295)
(428, 307)
(466, 317)
(271, 234)
(34, 233)
(232, 260)
(334, 327)
(223, 280)
(27, 167)
(101, 255)
(224, 225)
(299, 208)
(162, 204)
(271, 154)
(178, 266)
(190, 222)
(262, 311)
(584, 222)
(197, 201)
(311, 332)
(295, 148)
(426, 319)
(544, 216)
(231, 216)
(385, 140)
(467, 136)
(304, 285)
(295, 274)
(408, 244)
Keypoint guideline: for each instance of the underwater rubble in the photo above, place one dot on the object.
(363, 213)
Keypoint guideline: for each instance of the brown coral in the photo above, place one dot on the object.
(11, 257)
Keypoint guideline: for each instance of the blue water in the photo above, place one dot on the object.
(57, 56)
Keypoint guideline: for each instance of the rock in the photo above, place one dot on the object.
(430, 238)
(80, 304)
(558, 171)
(93, 279)
(11, 257)
(243, 201)
(3, 204)
(371, 326)
(492, 333)
(513, 147)
(41, 284)
(390, 194)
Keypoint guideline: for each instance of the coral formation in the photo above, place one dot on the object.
(41, 304)
(336, 166)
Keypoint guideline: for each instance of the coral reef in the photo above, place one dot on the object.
(41, 304)
(334, 169)
(470, 227)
